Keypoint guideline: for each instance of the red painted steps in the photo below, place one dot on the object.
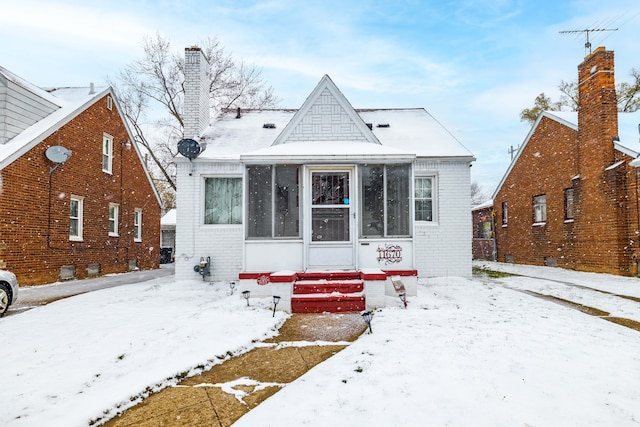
(328, 286)
(332, 292)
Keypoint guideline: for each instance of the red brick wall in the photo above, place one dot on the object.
(482, 248)
(34, 204)
(546, 165)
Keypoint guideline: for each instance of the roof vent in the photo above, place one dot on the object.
(239, 114)
(382, 125)
(370, 126)
(269, 125)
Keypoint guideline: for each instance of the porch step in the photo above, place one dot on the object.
(328, 291)
(327, 286)
(334, 303)
(329, 275)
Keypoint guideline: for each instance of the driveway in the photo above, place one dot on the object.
(35, 296)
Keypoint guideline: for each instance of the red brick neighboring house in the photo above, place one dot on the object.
(483, 243)
(86, 206)
(570, 196)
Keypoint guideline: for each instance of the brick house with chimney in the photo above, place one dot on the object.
(326, 206)
(570, 196)
(76, 199)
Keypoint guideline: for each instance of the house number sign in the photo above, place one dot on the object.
(390, 254)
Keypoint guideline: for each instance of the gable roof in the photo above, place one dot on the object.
(626, 123)
(341, 133)
(72, 101)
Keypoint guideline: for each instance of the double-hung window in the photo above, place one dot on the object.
(114, 211)
(273, 205)
(223, 200)
(137, 225)
(423, 198)
(75, 217)
(386, 200)
(540, 208)
(107, 153)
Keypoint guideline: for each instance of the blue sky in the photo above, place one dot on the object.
(474, 64)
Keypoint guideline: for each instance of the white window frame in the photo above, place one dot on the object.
(540, 209)
(238, 219)
(107, 153)
(434, 198)
(137, 225)
(114, 216)
(109, 102)
(79, 218)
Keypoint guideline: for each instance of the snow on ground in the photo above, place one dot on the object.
(67, 362)
(465, 352)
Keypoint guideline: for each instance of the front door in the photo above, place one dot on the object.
(330, 234)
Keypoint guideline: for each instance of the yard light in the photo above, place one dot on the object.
(403, 298)
(276, 300)
(246, 295)
(367, 316)
(232, 285)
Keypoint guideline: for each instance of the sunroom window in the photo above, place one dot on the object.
(273, 206)
(386, 201)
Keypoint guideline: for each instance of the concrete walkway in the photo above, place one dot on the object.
(226, 392)
(35, 296)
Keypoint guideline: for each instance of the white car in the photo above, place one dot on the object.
(8, 290)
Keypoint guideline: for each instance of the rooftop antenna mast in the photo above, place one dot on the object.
(587, 44)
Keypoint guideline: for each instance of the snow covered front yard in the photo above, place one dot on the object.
(465, 352)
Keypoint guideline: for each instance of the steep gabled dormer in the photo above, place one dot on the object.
(326, 115)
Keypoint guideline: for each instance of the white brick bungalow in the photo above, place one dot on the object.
(277, 195)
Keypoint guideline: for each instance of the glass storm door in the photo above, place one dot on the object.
(330, 242)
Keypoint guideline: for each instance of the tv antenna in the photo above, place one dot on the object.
(587, 44)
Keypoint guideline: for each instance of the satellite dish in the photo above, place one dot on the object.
(191, 148)
(57, 154)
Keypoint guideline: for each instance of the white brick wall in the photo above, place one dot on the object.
(444, 248)
(441, 249)
(196, 93)
(223, 243)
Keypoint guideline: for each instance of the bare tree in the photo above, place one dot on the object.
(151, 94)
(478, 195)
(628, 95)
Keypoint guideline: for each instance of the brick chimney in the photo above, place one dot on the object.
(196, 93)
(598, 231)
(597, 113)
